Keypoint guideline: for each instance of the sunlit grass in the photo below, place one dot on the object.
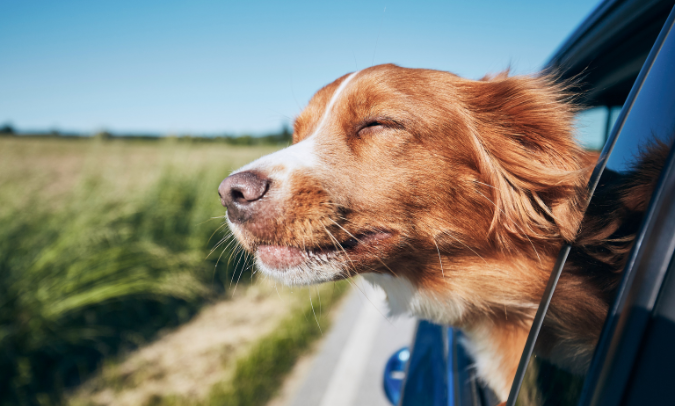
(102, 244)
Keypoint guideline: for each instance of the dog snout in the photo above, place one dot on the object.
(240, 192)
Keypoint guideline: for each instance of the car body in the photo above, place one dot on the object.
(623, 56)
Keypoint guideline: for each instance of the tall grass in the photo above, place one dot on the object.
(98, 267)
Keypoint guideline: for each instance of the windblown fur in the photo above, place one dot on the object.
(454, 195)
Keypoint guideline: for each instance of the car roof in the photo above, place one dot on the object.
(605, 53)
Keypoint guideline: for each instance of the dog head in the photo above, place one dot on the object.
(416, 174)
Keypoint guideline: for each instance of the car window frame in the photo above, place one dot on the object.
(617, 306)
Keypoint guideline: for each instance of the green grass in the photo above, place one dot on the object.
(102, 245)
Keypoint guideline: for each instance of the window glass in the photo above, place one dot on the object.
(594, 124)
(613, 115)
(590, 127)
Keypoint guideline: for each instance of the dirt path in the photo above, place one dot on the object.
(188, 361)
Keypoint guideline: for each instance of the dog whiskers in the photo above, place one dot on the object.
(275, 288)
(235, 248)
(314, 312)
(343, 229)
(244, 268)
(216, 230)
(337, 245)
(240, 255)
(376, 256)
(215, 267)
(221, 242)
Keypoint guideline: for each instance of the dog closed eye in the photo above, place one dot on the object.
(372, 127)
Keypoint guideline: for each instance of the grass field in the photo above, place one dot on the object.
(102, 245)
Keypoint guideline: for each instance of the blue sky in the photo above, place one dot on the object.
(207, 67)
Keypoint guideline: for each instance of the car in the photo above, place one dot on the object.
(623, 57)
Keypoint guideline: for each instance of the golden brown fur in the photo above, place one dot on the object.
(460, 191)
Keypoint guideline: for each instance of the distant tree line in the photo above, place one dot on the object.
(282, 137)
(6, 129)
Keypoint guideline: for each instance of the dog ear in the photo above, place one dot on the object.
(523, 133)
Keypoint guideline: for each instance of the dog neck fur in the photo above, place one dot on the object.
(485, 341)
(404, 298)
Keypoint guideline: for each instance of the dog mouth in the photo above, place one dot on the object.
(283, 257)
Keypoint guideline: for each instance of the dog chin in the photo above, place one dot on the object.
(307, 273)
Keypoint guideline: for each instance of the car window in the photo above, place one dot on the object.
(594, 124)
(645, 127)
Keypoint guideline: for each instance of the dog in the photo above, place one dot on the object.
(453, 195)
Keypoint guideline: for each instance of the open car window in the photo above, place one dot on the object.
(646, 124)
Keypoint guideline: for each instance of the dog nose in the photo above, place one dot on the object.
(240, 191)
